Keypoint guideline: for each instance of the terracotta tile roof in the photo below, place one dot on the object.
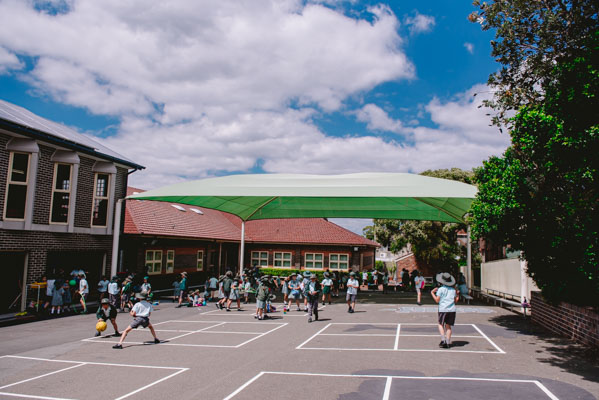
(157, 218)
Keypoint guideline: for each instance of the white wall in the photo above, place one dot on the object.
(504, 275)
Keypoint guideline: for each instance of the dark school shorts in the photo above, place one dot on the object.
(140, 321)
(447, 318)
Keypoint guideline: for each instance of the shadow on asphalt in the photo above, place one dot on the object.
(562, 352)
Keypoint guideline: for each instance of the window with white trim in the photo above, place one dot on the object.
(200, 260)
(170, 261)
(282, 260)
(100, 204)
(16, 186)
(154, 261)
(260, 258)
(61, 193)
(339, 261)
(314, 261)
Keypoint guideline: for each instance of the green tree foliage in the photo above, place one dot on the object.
(531, 38)
(434, 243)
(542, 196)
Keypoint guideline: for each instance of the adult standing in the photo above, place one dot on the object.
(446, 296)
(352, 292)
(83, 292)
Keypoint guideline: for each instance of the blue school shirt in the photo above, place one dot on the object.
(447, 299)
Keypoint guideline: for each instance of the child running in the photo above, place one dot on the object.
(446, 296)
(141, 313)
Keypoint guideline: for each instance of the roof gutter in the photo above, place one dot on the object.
(34, 133)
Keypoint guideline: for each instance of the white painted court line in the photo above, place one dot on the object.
(389, 379)
(29, 396)
(397, 335)
(395, 347)
(235, 393)
(204, 330)
(388, 384)
(258, 337)
(42, 376)
(490, 341)
(178, 371)
(313, 336)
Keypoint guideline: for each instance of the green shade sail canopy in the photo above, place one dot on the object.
(362, 195)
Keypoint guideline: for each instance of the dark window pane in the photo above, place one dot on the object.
(102, 185)
(99, 212)
(60, 207)
(63, 177)
(19, 167)
(15, 202)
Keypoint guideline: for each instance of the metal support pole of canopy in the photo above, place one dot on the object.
(242, 248)
(469, 260)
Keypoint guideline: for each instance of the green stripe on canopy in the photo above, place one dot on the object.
(363, 195)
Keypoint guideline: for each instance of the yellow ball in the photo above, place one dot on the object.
(101, 326)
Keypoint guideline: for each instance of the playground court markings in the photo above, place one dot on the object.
(278, 313)
(388, 381)
(396, 335)
(222, 329)
(72, 368)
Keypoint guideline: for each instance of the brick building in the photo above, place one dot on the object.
(58, 191)
(164, 239)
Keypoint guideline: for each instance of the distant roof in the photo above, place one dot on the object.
(69, 137)
(158, 218)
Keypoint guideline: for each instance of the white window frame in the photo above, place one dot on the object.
(200, 261)
(153, 262)
(107, 198)
(313, 261)
(261, 256)
(282, 259)
(170, 262)
(54, 190)
(10, 182)
(338, 261)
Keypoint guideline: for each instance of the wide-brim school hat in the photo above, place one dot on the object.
(326, 274)
(445, 278)
(307, 274)
(105, 301)
(352, 274)
(184, 273)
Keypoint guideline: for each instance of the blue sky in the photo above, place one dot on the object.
(197, 89)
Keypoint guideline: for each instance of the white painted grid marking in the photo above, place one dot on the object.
(389, 380)
(397, 336)
(204, 330)
(178, 370)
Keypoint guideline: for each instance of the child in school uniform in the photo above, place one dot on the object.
(446, 296)
(141, 313)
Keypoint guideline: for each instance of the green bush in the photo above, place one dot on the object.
(286, 272)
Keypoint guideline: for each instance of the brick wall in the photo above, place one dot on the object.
(43, 187)
(85, 193)
(580, 324)
(4, 156)
(38, 244)
(410, 263)
(298, 253)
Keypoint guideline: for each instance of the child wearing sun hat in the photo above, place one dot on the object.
(446, 296)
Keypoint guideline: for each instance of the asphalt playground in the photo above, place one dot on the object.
(382, 351)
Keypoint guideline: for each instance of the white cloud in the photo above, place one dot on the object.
(377, 119)
(420, 23)
(469, 47)
(8, 61)
(203, 88)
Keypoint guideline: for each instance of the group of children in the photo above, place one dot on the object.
(309, 288)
